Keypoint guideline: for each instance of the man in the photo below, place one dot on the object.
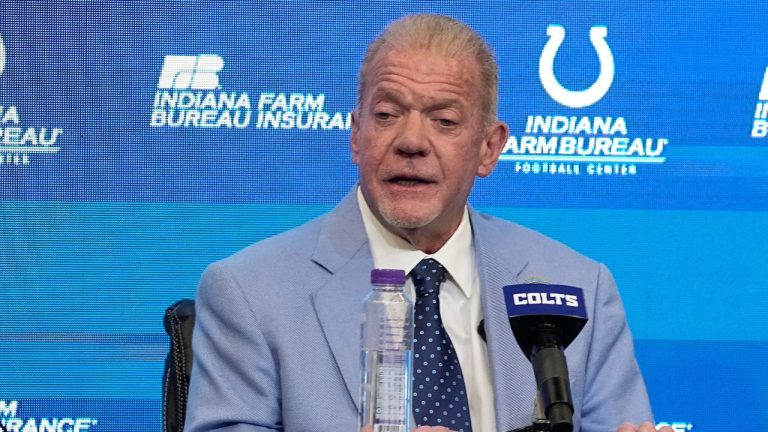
(277, 336)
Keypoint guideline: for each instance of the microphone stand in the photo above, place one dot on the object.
(553, 407)
(540, 422)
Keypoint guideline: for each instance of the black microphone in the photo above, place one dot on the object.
(545, 319)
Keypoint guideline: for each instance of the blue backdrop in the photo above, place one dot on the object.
(140, 141)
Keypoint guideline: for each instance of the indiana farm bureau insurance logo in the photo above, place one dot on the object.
(19, 142)
(11, 420)
(190, 94)
(557, 144)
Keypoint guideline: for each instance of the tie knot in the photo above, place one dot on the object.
(427, 276)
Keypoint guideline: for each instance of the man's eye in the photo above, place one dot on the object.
(446, 122)
(383, 115)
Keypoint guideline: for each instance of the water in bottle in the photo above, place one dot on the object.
(386, 349)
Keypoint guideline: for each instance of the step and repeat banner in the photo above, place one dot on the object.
(142, 140)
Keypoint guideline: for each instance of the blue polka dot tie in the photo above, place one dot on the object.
(439, 395)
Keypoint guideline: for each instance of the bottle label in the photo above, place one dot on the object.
(388, 428)
(392, 376)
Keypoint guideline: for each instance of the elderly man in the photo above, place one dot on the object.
(277, 336)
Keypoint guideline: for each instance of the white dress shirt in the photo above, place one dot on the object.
(460, 307)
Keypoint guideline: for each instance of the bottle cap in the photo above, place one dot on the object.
(387, 277)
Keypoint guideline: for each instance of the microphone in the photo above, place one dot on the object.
(481, 331)
(545, 319)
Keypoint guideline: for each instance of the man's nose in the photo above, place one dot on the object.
(413, 140)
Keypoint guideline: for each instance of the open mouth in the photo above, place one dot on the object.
(409, 181)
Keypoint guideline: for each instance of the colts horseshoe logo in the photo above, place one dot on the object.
(2, 55)
(570, 98)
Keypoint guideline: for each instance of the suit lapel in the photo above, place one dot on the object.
(342, 250)
(500, 262)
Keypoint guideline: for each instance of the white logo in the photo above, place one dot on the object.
(534, 298)
(18, 140)
(679, 426)
(2, 55)
(10, 421)
(191, 72)
(574, 145)
(760, 123)
(570, 98)
(763, 96)
(189, 95)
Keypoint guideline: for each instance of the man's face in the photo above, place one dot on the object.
(419, 139)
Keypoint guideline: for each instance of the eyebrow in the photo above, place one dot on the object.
(387, 94)
(390, 94)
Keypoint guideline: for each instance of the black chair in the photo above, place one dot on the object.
(179, 321)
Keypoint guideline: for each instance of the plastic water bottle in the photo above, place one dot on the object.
(386, 349)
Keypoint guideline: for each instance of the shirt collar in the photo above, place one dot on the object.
(391, 251)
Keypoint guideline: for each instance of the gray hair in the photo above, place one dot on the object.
(444, 36)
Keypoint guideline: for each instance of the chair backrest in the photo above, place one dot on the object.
(179, 322)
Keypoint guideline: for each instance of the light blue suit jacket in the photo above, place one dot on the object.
(278, 325)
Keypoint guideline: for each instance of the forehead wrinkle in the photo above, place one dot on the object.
(410, 76)
(449, 69)
(456, 79)
(388, 85)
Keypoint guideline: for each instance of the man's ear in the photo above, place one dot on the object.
(355, 136)
(495, 139)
